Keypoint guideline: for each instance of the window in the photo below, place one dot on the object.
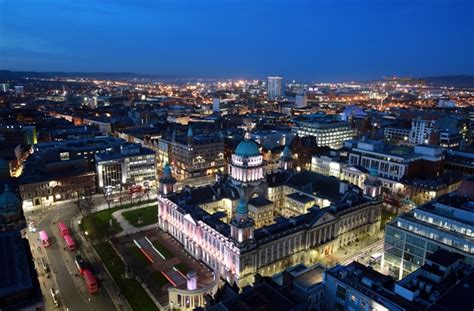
(341, 292)
(64, 156)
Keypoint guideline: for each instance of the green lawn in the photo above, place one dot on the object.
(131, 289)
(138, 255)
(163, 250)
(98, 226)
(149, 216)
(158, 279)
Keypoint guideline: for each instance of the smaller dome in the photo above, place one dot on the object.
(167, 170)
(190, 132)
(242, 208)
(247, 148)
(9, 202)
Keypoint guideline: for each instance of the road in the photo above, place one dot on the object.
(363, 255)
(73, 293)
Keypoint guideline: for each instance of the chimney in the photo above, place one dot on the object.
(287, 279)
(343, 186)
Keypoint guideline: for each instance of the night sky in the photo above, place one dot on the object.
(314, 40)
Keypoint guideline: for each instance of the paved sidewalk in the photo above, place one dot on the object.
(106, 278)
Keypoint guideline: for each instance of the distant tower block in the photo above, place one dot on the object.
(301, 101)
(191, 276)
(216, 105)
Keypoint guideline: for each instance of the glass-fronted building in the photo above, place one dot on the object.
(447, 223)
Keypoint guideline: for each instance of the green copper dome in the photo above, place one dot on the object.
(167, 170)
(242, 208)
(247, 148)
(9, 202)
(190, 132)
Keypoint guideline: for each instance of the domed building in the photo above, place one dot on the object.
(247, 170)
(19, 285)
(167, 181)
(225, 225)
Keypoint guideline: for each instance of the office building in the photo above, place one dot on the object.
(192, 155)
(329, 131)
(133, 165)
(301, 100)
(445, 223)
(395, 162)
(274, 87)
(421, 131)
(439, 284)
(216, 105)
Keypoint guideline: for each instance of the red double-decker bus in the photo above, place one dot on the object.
(135, 189)
(71, 245)
(63, 229)
(91, 281)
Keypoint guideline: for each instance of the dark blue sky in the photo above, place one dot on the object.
(319, 40)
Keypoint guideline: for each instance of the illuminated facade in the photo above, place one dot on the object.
(133, 165)
(274, 87)
(192, 155)
(238, 247)
(327, 130)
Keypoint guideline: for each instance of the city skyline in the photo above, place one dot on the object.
(333, 41)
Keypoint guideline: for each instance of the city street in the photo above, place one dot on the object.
(64, 276)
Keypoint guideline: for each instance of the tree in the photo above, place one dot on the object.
(84, 202)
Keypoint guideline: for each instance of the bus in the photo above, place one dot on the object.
(63, 229)
(69, 242)
(44, 238)
(81, 264)
(91, 281)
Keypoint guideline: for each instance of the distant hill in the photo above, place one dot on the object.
(15, 75)
(454, 80)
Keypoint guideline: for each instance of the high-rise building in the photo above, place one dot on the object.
(421, 131)
(301, 100)
(4, 87)
(274, 87)
(216, 105)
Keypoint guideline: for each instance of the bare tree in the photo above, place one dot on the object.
(84, 202)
